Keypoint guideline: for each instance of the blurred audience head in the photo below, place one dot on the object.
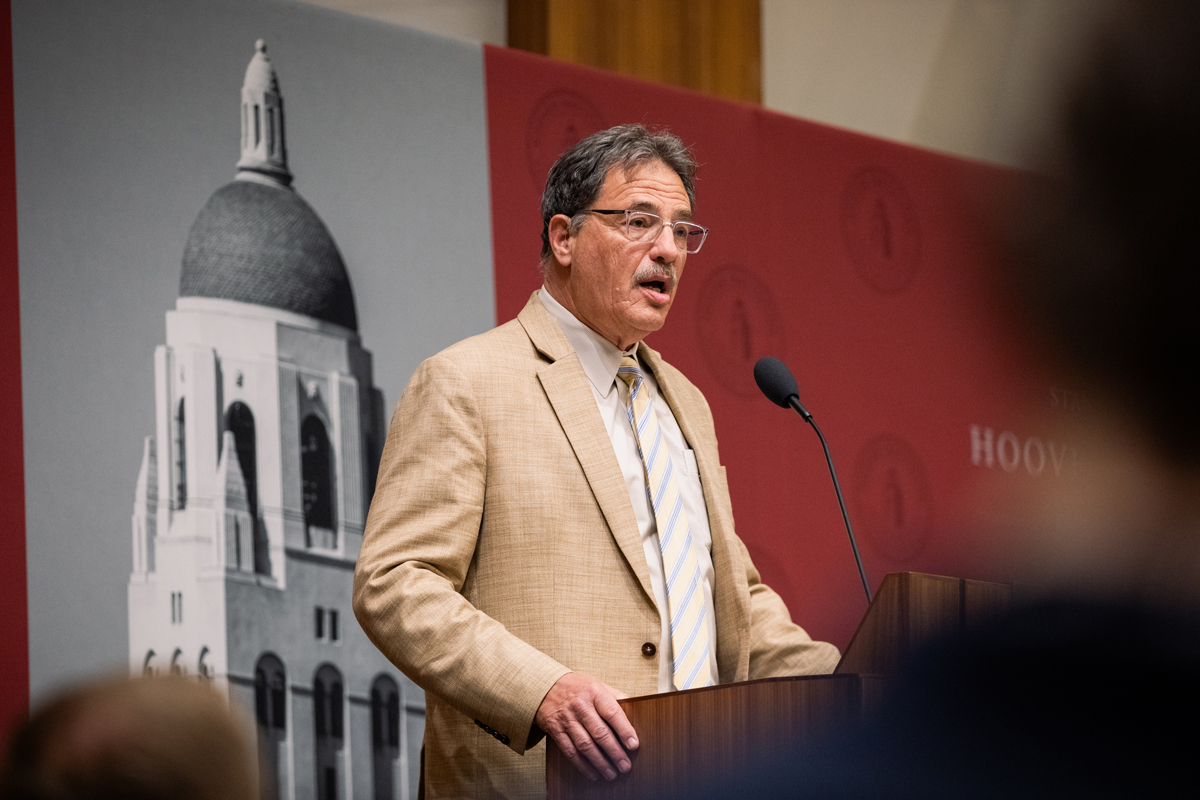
(1105, 269)
(136, 739)
(1108, 260)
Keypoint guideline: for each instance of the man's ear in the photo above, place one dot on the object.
(560, 238)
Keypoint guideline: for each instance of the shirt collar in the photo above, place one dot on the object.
(598, 356)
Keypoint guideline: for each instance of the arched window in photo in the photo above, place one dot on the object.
(269, 119)
(270, 714)
(316, 475)
(239, 420)
(180, 457)
(148, 668)
(385, 737)
(329, 730)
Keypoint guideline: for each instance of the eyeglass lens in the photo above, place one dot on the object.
(642, 226)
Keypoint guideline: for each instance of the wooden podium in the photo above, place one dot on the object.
(705, 734)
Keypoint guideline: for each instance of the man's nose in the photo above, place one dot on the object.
(663, 247)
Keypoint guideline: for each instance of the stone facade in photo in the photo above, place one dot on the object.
(253, 491)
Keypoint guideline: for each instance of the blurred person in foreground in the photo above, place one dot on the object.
(1090, 688)
(136, 739)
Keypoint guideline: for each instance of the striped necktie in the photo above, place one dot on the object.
(690, 639)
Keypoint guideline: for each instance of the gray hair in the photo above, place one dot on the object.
(575, 179)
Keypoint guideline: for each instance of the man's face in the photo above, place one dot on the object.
(619, 288)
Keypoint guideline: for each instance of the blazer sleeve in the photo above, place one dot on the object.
(417, 552)
(778, 646)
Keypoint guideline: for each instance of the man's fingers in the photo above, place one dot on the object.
(605, 746)
(575, 740)
(576, 714)
(614, 715)
(588, 750)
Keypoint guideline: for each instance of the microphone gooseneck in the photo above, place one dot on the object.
(779, 385)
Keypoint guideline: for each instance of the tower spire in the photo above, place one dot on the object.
(264, 151)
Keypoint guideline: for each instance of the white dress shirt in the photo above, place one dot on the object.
(600, 359)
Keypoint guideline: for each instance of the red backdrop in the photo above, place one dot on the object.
(14, 655)
(851, 258)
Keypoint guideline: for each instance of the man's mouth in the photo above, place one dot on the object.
(658, 282)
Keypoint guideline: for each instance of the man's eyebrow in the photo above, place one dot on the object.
(684, 214)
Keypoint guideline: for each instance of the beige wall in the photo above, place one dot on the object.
(969, 77)
(477, 20)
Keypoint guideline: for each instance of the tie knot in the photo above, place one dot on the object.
(630, 372)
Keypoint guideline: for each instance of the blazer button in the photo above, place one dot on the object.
(648, 649)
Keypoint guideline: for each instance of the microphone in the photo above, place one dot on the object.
(779, 385)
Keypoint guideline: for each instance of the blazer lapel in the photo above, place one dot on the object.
(567, 388)
(730, 600)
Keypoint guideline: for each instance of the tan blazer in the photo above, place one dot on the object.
(501, 552)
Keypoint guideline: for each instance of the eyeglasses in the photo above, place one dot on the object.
(642, 226)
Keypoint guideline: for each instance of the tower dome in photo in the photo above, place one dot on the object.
(256, 240)
(254, 487)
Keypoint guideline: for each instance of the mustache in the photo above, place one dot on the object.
(657, 272)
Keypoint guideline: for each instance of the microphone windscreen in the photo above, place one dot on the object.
(775, 380)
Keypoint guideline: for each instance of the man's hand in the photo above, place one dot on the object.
(583, 718)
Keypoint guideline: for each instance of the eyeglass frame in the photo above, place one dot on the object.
(627, 211)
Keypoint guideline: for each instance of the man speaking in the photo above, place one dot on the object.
(551, 528)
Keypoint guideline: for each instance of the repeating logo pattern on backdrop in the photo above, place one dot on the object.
(880, 230)
(893, 500)
(738, 322)
(559, 119)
